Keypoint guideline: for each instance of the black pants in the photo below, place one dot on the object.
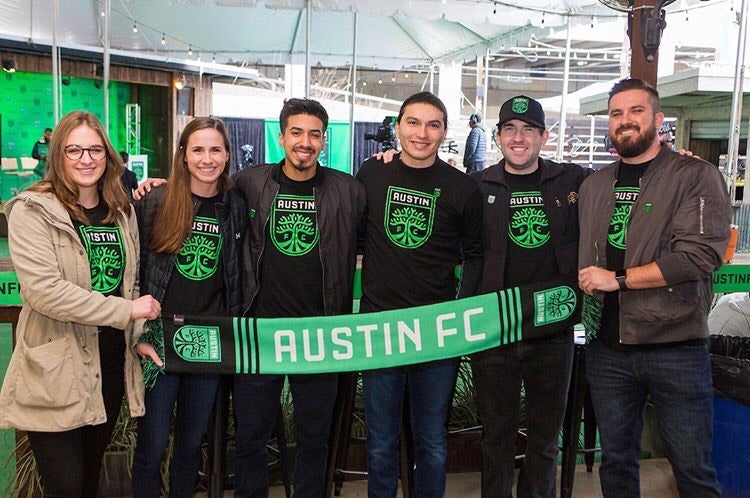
(69, 462)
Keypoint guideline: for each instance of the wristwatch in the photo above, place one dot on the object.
(620, 276)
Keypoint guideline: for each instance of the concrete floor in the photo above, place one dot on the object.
(656, 482)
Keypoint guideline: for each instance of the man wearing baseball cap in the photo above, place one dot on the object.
(530, 235)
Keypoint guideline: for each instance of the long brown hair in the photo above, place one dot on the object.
(174, 219)
(59, 183)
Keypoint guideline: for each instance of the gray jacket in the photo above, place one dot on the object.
(680, 221)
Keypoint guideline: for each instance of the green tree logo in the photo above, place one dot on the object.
(197, 343)
(554, 305)
(409, 226)
(409, 215)
(295, 234)
(618, 225)
(529, 227)
(199, 256)
(106, 269)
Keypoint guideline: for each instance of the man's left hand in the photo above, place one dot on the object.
(593, 278)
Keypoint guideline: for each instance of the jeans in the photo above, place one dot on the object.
(544, 367)
(678, 381)
(256, 407)
(430, 387)
(195, 395)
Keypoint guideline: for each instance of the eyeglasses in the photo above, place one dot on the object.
(75, 152)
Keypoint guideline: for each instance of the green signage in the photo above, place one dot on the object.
(10, 289)
(732, 278)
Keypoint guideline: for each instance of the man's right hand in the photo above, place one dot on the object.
(146, 187)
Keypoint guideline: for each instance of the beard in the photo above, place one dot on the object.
(636, 146)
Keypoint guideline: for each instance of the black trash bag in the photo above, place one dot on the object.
(730, 367)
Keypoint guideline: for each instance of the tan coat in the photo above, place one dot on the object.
(53, 382)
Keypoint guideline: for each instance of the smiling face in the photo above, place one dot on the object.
(633, 126)
(84, 171)
(206, 157)
(302, 140)
(420, 132)
(520, 143)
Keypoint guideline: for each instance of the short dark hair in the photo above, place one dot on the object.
(293, 107)
(636, 84)
(475, 118)
(48, 130)
(424, 98)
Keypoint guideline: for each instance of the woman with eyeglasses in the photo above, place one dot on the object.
(73, 241)
(191, 238)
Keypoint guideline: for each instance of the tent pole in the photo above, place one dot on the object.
(55, 64)
(307, 48)
(736, 119)
(353, 86)
(105, 62)
(564, 94)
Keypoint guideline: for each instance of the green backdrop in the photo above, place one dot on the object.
(26, 107)
(336, 153)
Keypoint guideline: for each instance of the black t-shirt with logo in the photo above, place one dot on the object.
(419, 222)
(196, 286)
(530, 256)
(105, 250)
(626, 192)
(291, 271)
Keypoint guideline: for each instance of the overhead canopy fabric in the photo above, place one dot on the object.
(391, 33)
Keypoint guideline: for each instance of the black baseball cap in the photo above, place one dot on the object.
(524, 108)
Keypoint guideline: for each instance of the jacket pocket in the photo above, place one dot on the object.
(47, 377)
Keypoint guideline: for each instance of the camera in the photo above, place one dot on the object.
(386, 134)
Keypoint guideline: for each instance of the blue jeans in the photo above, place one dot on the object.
(430, 386)
(544, 366)
(195, 395)
(678, 381)
(256, 408)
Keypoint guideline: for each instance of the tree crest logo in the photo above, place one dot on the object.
(106, 257)
(520, 105)
(198, 344)
(199, 257)
(554, 305)
(293, 229)
(409, 215)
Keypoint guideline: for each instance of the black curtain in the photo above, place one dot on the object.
(364, 149)
(244, 131)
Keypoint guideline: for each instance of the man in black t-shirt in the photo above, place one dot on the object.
(654, 227)
(530, 236)
(299, 261)
(423, 218)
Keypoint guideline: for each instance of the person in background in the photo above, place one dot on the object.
(476, 145)
(74, 245)
(129, 179)
(654, 227)
(40, 151)
(191, 238)
(530, 235)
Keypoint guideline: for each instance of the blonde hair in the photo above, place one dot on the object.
(64, 189)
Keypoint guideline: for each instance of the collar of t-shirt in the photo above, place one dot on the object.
(629, 174)
(524, 182)
(304, 184)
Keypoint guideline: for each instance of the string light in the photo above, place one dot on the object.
(163, 39)
(592, 22)
(543, 13)
(213, 59)
(135, 27)
(190, 49)
(494, 7)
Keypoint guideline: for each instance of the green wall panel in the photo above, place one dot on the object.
(335, 155)
(26, 107)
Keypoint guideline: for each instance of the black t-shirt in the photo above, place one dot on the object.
(291, 271)
(420, 221)
(105, 250)
(196, 286)
(530, 256)
(626, 192)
